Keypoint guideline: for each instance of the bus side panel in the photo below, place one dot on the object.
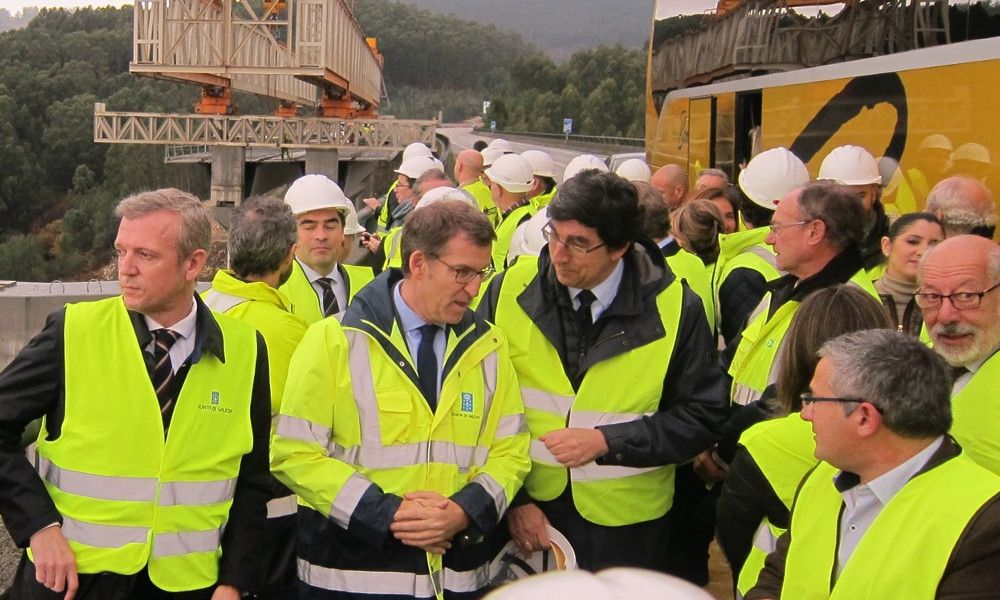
(910, 117)
(725, 133)
(700, 139)
(670, 144)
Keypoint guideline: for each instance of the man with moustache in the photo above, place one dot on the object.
(960, 298)
(262, 236)
(150, 473)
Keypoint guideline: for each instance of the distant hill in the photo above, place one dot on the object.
(559, 28)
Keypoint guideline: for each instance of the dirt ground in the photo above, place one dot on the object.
(720, 583)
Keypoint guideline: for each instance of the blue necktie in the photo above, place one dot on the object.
(427, 367)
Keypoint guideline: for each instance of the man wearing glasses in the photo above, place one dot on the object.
(618, 375)
(896, 509)
(815, 232)
(960, 300)
(402, 429)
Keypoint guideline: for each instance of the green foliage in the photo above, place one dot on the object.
(22, 258)
(600, 89)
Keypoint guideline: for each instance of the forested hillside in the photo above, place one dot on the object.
(58, 188)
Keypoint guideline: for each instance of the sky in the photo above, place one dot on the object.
(669, 8)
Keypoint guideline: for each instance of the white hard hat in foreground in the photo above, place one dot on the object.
(850, 165)
(542, 164)
(610, 584)
(771, 175)
(418, 165)
(314, 192)
(416, 149)
(440, 194)
(634, 170)
(511, 172)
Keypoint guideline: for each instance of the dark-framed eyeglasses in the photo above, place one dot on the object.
(466, 274)
(550, 235)
(959, 300)
(808, 399)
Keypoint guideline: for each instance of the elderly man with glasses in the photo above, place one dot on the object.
(617, 371)
(402, 429)
(961, 306)
(895, 509)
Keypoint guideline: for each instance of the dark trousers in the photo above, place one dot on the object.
(690, 527)
(99, 586)
(600, 547)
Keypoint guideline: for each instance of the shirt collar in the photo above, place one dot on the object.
(408, 319)
(312, 275)
(665, 242)
(887, 485)
(605, 291)
(184, 328)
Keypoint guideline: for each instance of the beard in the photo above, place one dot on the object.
(981, 344)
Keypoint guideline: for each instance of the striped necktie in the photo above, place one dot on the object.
(330, 304)
(163, 370)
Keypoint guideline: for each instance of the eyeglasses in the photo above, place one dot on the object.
(959, 300)
(465, 274)
(776, 227)
(550, 235)
(808, 399)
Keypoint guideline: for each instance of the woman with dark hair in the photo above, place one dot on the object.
(725, 200)
(696, 226)
(774, 455)
(903, 246)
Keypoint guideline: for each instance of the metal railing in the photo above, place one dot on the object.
(574, 138)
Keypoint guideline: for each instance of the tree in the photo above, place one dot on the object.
(22, 258)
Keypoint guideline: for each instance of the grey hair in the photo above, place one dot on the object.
(839, 208)
(907, 381)
(428, 175)
(714, 173)
(261, 234)
(196, 226)
(964, 203)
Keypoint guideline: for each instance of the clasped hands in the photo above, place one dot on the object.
(428, 520)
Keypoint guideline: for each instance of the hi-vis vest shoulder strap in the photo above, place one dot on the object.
(754, 365)
(607, 495)
(128, 496)
(505, 232)
(905, 550)
(976, 416)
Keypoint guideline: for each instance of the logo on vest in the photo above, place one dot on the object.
(468, 405)
(214, 405)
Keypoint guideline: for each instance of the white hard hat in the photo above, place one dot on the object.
(972, 151)
(620, 583)
(850, 165)
(528, 239)
(634, 170)
(512, 173)
(490, 155)
(418, 165)
(351, 224)
(313, 192)
(771, 175)
(502, 145)
(541, 163)
(582, 163)
(416, 149)
(442, 193)
(514, 565)
(936, 141)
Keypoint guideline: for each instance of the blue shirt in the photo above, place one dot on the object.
(411, 323)
(604, 292)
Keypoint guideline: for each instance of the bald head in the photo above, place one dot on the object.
(671, 182)
(964, 205)
(468, 166)
(970, 264)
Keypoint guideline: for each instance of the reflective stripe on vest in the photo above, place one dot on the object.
(282, 507)
(603, 494)
(906, 548)
(220, 302)
(129, 496)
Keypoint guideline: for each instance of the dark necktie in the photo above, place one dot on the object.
(330, 304)
(427, 367)
(957, 372)
(163, 371)
(583, 313)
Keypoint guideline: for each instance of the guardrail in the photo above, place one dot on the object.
(572, 139)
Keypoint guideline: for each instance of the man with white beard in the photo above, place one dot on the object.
(959, 281)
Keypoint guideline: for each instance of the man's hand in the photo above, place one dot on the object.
(709, 467)
(372, 203)
(428, 520)
(575, 447)
(226, 592)
(55, 563)
(527, 527)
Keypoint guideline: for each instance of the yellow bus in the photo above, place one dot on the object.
(926, 114)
